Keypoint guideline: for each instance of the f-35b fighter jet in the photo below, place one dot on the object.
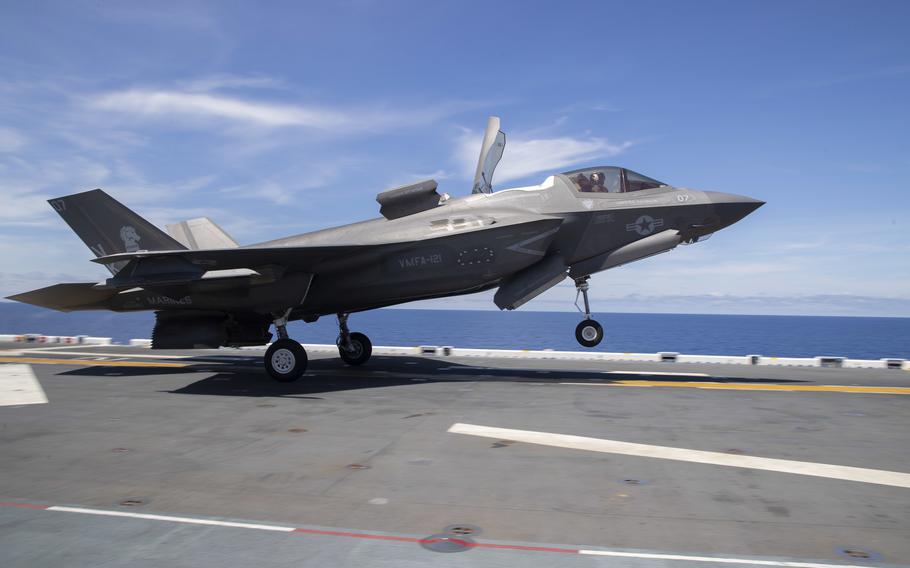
(208, 292)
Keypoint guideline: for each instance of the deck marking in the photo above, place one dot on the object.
(656, 373)
(746, 561)
(88, 362)
(190, 520)
(852, 389)
(843, 472)
(19, 386)
(413, 540)
(47, 352)
(23, 505)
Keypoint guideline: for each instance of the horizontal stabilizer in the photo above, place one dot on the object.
(201, 233)
(67, 297)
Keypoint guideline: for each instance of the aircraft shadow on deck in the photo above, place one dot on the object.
(245, 378)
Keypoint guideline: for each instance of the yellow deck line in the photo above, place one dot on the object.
(88, 362)
(754, 387)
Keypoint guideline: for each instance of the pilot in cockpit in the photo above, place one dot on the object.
(597, 183)
(583, 183)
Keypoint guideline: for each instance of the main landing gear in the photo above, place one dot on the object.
(589, 332)
(354, 348)
(285, 360)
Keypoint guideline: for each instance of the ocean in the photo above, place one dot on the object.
(782, 336)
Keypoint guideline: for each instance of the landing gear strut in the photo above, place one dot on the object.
(285, 360)
(354, 348)
(589, 332)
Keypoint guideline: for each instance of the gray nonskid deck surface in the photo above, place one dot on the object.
(218, 439)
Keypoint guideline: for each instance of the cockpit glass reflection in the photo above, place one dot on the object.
(636, 182)
(609, 179)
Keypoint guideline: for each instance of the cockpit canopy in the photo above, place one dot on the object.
(610, 179)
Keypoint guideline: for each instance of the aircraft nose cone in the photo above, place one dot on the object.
(730, 207)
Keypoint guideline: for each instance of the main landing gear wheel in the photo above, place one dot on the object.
(589, 333)
(360, 349)
(286, 360)
(354, 348)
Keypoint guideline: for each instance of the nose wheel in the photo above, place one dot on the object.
(285, 359)
(354, 348)
(589, 333)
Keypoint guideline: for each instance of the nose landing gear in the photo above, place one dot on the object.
(354, 348)
(589, 332)
(285, 360)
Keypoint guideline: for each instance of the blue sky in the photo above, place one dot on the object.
(277, 118)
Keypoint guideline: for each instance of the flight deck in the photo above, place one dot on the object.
(121, 455)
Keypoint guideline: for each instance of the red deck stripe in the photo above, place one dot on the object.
(428, 540)
(359, 535)
(23, 505)
(349, 534)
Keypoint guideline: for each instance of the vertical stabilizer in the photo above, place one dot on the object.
(201, 233)
(108, 227)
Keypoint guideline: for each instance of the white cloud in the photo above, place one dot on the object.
(151, 103)
(526, 156)
(198, 105)
(11, 140)
(26, 185)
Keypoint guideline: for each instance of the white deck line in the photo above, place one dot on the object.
(842, 472)
(19, 386)
(741, 561)
(188, 520)
(589, 552)
(656, 373)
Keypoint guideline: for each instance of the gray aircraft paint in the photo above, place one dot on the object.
(461, 245)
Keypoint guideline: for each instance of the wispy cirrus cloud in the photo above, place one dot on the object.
(526, 155)
(148, 103)
(203, 101)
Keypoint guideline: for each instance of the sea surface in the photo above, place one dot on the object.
(782, 336)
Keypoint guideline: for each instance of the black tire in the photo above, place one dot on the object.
(285, 360)
(363, 348)
(589, 333)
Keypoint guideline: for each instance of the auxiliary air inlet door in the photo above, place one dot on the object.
(494, 144)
